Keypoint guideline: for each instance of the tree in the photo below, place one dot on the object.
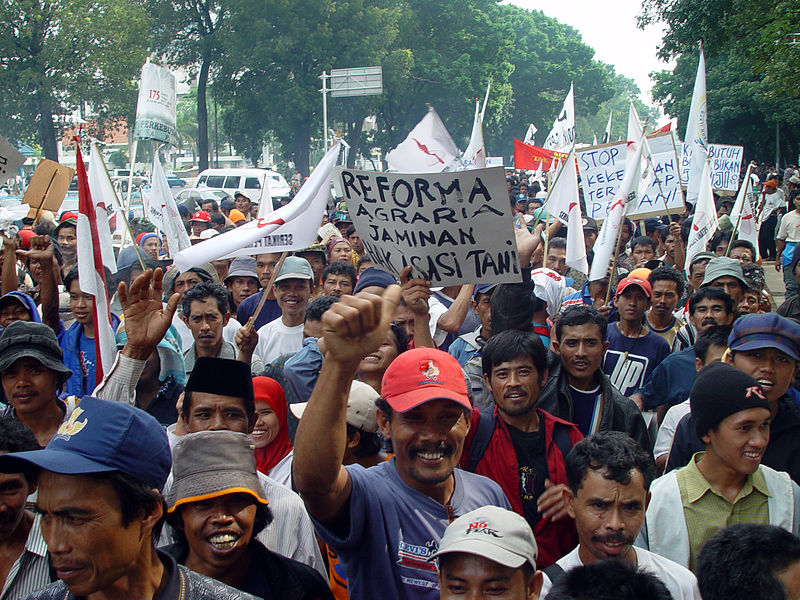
(63, 55)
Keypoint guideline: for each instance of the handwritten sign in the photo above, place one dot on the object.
(725, 162)
(10, 160)
(451, 228)
(602, 170)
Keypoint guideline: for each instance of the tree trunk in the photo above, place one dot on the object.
(302, 139)
(354, 135)
(47, 131)
(202, 113)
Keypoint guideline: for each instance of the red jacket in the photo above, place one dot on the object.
(499, 463)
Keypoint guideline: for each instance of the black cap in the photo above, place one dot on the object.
(221, 376)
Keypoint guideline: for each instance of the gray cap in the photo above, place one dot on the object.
(702, 256)
(492, 532)
(210, 464)
(206, 271)
(23, 339)
(722, 266)
(242, 266)
(295, 267)
(360, 407)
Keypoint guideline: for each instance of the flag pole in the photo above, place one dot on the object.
(739, 218)
(614, 259)
(122, 212)
(251, 321)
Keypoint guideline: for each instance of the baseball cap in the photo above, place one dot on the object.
(241, 266)
(25, 236)
(23, 339)
(423, 374)
(101, 436)
(236, 215)
(482, 288)
(208, 234)
(654, 224)
(768, 330)
(70, 221)
(373, 277)
(360, 407)
(227, 204)
(240, 194)
(722, 266)
(201, 216)
(773, 183)
(589, 224)
(629, 281)
(295, 267)
(491, 532)
(210, 464)
(702, 256)
(794, 179)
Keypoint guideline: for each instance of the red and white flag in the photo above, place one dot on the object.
(704, 222)
(94, 251)
(607, 239)
(290, 227)
(564, 204)
(427, 149)
(745, 225)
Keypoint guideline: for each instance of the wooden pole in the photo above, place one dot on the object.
(265, 293)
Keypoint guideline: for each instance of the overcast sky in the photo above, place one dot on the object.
(610, 28)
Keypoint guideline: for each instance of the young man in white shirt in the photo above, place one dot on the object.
(609, 477)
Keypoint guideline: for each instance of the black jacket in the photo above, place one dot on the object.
(782, 453)
(618, 412)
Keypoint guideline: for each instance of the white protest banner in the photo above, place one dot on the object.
(602, 170)
(451, 228)
(474, 156)
(11, 160)
(743, 212)
(162, 211)
(155, 109)
(428, 148)
(704, 222)
(696, 137)
(562, 136)
(494, 161)
(726, 165)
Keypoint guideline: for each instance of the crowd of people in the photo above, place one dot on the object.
(312, 427)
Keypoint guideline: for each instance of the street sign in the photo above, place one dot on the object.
(358, 81)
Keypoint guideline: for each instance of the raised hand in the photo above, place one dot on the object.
(146, 319)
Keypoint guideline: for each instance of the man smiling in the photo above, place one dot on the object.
(385, 522)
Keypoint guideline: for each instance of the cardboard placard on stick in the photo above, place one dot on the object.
(451, 228)
(48, 187)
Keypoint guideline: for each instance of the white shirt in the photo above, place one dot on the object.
(275, 339)
(772, 202)
(666, 432)
(185, 334)
(680, 581)
(282, 471)
(790, 227)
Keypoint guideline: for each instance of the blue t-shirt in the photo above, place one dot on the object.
(671, 381)
(585, 409)
(247, 307)
(394, 530)
(629, 361)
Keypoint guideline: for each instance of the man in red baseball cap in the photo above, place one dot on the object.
(386, 521)
(633, 350)
(200, 221)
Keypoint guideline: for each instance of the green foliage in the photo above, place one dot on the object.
(62, 54)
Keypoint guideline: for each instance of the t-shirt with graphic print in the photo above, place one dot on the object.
(529, 446)
(629, 361)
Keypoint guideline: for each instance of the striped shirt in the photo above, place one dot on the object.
(31, 571)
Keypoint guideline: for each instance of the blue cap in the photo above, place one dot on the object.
(768, 330)
(482, 288)
(374, 277)
(654, 224)
(101, 436)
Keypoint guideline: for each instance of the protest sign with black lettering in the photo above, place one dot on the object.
(725, 162)
(157, 105)
(10, 160)
(602, 170)
(451, 228)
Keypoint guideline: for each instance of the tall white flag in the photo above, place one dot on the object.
(291, 227)
(635, 138)
(697, 132)
(704, 222)
(562, 136)
(564, 204)
(427, 149)
(162, 211)
(475, 155)
(744, 205)
(607, 239)
(529, 135)
(607, 134)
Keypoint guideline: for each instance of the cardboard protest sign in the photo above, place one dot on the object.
(11, 160)
(156, 107)
(602, 170)
(47, 187)
(726, 166)
(451, 228)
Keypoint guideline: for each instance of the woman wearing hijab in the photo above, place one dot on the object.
(271, 435)
(339, 249)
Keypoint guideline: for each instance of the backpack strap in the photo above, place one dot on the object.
(480, 441)
(561, 438)
(554, 572)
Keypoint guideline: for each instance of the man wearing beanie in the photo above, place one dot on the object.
(726, 484)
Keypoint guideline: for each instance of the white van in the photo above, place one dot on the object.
(247, 181)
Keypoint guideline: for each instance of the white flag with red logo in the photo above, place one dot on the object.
(704, 222)
(696, 138)
(427, 149)
(564, 204)
(475, 155)
(607, 239)
(290, 227)
(742, 215)
(562, 135)
(162, 211)
(94, 251)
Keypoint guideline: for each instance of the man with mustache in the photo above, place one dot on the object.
(609, 477)
(385, 522)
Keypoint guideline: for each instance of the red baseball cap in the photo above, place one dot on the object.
(423, 374)
(202, 216)
(25, 236)
(642, 283)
